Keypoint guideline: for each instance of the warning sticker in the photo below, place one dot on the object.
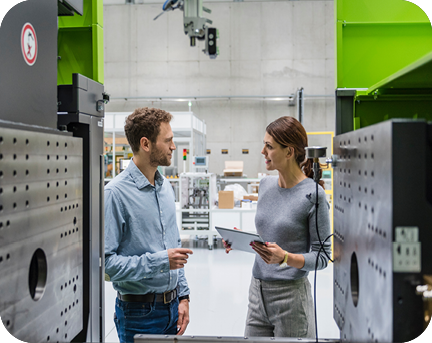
(29, 45)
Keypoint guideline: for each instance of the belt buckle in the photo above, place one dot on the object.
(165, 299)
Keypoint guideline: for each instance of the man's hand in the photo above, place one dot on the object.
(178, 257)
(183, 319)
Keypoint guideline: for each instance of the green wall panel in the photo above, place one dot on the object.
(98, 53)
(369, 111)
(376, 38)
(76, 54)
(384, 51)
(80, 44)
(379, 11)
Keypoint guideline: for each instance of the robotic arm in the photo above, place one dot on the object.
(195, 26)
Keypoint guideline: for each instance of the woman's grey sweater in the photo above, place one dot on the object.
(286, 216)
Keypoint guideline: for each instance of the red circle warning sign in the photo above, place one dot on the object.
(29, 45)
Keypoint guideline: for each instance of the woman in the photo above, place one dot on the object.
(280, 300)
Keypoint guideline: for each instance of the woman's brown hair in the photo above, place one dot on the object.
(288, 132)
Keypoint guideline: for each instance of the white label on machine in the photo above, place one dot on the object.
(407, 250)
(407, 234)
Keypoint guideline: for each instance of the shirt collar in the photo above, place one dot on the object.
(139, 178)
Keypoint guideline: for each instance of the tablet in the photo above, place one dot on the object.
(239, 240)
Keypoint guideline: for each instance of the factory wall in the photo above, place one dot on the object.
(266, 48)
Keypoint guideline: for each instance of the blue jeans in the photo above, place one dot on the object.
(133, 318)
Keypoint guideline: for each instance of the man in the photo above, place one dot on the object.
(143, 254)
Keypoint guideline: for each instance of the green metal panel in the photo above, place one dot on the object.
(405, 94)
(369, 111)
(384, 51)
(75, 53)
(415, 78)
(80, 44)
(98, 53)
(98, 12)
(376, 38)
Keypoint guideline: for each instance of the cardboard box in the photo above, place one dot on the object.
(255, 188)
(252, 188)
(226, 199)
(250, 197)
(233, 168)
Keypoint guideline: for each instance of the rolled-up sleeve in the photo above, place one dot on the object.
(127, 268)
(324, 232)
(182, 282)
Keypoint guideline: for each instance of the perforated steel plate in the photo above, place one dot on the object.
(380, 185)
(363, 234)
(40, 235)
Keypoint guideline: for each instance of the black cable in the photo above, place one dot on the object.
(316, 262)
(316, 269)
(316, 224)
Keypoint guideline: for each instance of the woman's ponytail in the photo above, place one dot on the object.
(307, 168)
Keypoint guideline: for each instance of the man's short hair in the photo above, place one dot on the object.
(144, 122)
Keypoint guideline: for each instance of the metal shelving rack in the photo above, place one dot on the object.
(196, 217)
(189, 132)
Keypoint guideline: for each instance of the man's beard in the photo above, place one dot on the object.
(158, 158)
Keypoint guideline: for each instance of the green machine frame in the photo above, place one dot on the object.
(80, 44)
(383, 72)
(80, 60)
(383, 62)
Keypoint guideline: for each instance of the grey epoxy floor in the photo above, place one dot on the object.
(219, 285)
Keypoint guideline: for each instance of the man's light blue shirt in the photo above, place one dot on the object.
(140, 226)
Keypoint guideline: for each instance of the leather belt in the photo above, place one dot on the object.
(166, 297)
